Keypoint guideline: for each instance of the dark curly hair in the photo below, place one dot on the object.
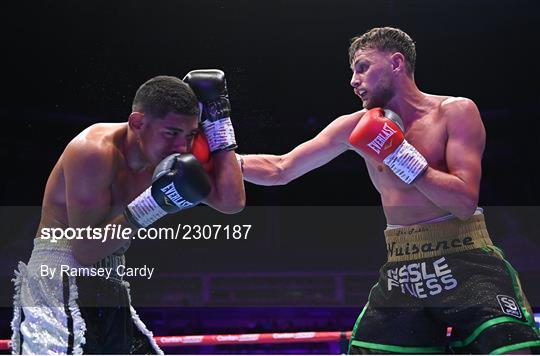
(386, 39)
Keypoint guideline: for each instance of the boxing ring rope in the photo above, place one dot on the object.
(248, 339)
(240, 339)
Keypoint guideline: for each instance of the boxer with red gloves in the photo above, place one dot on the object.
(426, 165)
(380, 135)
(122, 174)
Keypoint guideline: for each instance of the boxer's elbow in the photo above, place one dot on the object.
(230, 208)
(235, 207)
(467, 207)
(232, 204)
(463, 214)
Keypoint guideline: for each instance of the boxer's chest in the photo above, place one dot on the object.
(127, 185)
(428, 135)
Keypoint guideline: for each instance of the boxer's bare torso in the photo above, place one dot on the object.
(447, 131)
(404, 204)
(121, 183)
(108, 165)
(436, 121)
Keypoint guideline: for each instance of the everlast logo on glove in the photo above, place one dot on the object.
(419, 281)
(378, 143)
(171, 193)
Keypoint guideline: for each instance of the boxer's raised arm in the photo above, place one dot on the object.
(227, 194)
(266, 169)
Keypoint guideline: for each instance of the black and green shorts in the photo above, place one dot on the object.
(440, 294)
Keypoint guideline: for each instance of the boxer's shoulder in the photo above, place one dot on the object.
(460, 114)
(457, 106)
(103, 134)
(452, 104)
(449, 109)
(95, 149)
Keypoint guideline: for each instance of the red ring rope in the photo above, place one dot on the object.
(236, 339)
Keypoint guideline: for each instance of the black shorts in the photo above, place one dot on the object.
(477, 293)
(110, 328)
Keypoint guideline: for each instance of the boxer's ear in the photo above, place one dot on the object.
(135, 121)
(397, 61)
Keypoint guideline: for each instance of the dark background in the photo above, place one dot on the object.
(66, 65)
(69, 64)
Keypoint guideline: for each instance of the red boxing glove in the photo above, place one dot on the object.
(201, 151)
(379, 134)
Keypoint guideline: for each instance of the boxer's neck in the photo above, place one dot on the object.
(133, 155)
(408, 102)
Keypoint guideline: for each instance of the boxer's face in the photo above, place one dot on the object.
(161, 137)
(372, 77)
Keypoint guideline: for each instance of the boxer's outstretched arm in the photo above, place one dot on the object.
(227, 194)
(266, 169)
(457, 191)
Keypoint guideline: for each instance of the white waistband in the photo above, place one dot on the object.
(478, 211)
